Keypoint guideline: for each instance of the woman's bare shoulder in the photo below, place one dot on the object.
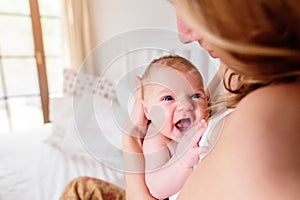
(269, 118)
(266, 127)
(256, 156)
(270, 96)
(268, 105)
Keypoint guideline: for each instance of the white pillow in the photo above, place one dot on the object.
(95, 130)
(78, 84)
(60, 113)
(88, 119)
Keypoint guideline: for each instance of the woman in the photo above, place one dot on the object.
(257, 153)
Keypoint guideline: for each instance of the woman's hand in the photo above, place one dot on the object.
(136, 125)
(137, 116)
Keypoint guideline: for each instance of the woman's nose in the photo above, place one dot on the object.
(185, 33)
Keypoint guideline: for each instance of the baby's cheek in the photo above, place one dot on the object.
(158, 116)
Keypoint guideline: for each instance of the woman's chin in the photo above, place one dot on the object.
(212, 54)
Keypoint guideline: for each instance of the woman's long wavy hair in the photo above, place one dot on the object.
(258, 40)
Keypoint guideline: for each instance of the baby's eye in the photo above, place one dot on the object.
(196, 96)
(168, 98)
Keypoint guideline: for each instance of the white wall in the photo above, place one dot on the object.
(116, 16)
(113, 17)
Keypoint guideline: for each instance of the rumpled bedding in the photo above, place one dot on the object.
(32, 169)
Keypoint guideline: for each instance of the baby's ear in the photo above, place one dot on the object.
(145, 110)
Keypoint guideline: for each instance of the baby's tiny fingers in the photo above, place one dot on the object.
(200, 130)
(204, 149)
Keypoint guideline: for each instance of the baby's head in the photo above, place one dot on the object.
(173, 95)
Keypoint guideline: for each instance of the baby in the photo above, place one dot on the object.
(174, 101)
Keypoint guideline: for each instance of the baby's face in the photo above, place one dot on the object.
(174, 101)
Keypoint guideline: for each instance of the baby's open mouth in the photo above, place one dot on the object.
(183, 124)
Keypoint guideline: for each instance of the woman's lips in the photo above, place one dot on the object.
(212, 54)
(206, 48)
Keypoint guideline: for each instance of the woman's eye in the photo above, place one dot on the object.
(168, 98)
(196, 96)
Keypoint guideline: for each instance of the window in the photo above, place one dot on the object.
(31, 61)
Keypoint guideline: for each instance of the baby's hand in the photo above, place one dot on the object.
(188, 150)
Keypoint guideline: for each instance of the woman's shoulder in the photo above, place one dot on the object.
(257, 152)
(268, 116)
(264, 131)
(272, 95)
(272, 106)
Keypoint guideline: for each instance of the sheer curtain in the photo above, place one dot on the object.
(79, 33)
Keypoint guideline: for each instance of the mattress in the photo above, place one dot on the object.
(31, 168)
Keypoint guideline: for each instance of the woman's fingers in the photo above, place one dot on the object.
(139, 91)
(138, 121)
(138, 115)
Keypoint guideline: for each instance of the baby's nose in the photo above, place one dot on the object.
(185, 105)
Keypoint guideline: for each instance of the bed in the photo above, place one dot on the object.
(38, 163)
(83, 138)
(31, 168)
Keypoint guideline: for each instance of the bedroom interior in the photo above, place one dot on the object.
(67, 73)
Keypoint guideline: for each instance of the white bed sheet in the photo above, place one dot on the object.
(32, 169)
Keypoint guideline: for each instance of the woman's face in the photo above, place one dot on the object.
(187, 35)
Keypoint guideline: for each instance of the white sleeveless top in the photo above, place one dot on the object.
(208, 139)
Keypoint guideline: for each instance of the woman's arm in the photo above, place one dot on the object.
(136, 188)
(132, 139)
